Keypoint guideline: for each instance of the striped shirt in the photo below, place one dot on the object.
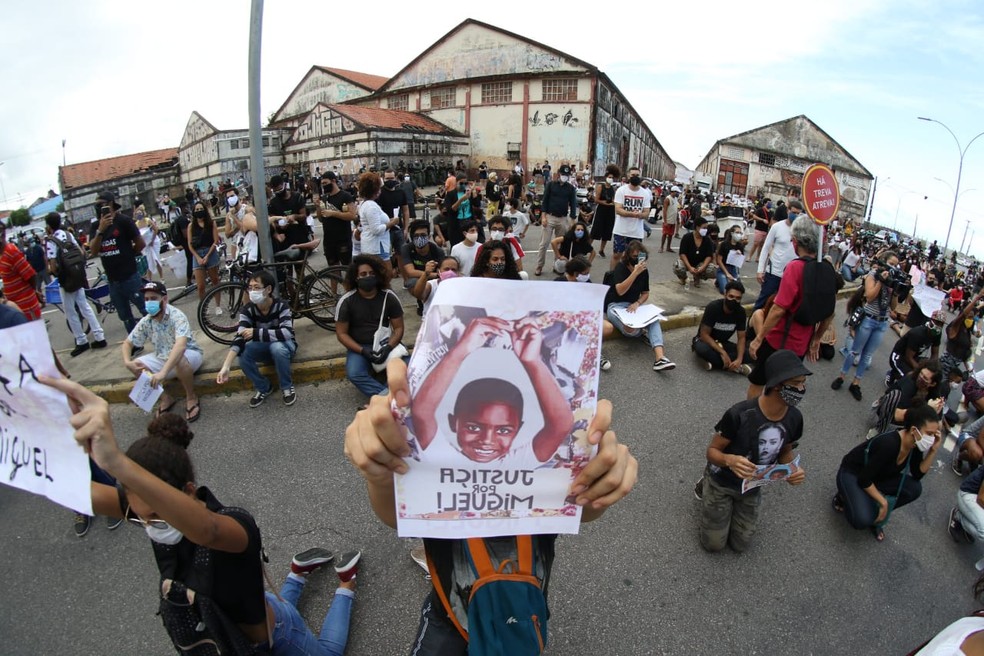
(277, 325)
(879, 306)
(18, 281)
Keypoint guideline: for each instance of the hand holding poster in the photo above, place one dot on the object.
(765, 474)
(503, 383)
(38, 452)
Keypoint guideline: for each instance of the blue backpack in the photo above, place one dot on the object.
(507, 610)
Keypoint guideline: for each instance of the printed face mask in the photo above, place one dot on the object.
(420, 241)
(162, 535)
(791, 395)
(498, 268)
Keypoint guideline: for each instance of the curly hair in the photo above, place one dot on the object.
(369, 185)
(481, 266)
(378, 268)
(613, 170)
(163, 452)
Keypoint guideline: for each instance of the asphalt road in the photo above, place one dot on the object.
(634, 582)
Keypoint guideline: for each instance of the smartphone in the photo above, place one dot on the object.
(642, 258)
(104, 210)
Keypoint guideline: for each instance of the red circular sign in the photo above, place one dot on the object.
(821, 195)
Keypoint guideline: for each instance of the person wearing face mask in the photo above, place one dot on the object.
(696, 253)
(959, 334)
(883, 474)
(434, 274)
(575, 241)
(777, 251)
(493, 194)
(733, 242)
(286, 210)
(500, 230)
(457, 208)
(203, 236)
(265, 334)
(520, 221)
(759, 431)
(671, 216)
(578, 269)
(411, 192)
(495, 261)
(176, 353)
(559, 206)
(632, 203)
(337, 217)
(723, 319)
(241, 227)
(394, 203)
(467, 250)
(911, 348)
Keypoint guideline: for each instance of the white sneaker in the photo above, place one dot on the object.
(218, 311)
(606, 364)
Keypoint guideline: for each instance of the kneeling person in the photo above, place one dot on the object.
(265, 334)
(722, 319)
(176, 353)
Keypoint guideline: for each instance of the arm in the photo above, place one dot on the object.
(557, 418)
(910, 356)
(421, 290)
(555, 245)
(704, 334)
(741, 466)
(396, 331)
(623, 287)
(223, 376)
(177, 352)
(741, 347)
(341, 332)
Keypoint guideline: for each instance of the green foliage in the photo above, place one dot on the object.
(60, 208)
(20, 217)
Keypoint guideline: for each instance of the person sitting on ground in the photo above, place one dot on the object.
(416, 253)
(578, 269)
(734, 241)
(696, 252)
(883, 473)
(629, 290)
(575, 241)
(156, 490)
(467, 250)
(520, 221)
(911, 348)
(495, 260)
(176, 353)
(427, 284)
(969, 511)
(265, 334)
(722, 319)
(501, 230)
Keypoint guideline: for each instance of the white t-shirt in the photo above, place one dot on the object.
(779, 248)
(466, 256)
(947, 642)
(632, 200)
(521, 221)
(51, 248)
(249, 243)
(851, 259)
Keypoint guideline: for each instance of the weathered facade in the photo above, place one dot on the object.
(773, 158)
(207, 154)
(141, 175)
(323, 85)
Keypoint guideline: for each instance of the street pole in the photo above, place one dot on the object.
(966, 228)
(255, 133)
(914, 225)
(956, 191)
(871, 200)
(63, 153)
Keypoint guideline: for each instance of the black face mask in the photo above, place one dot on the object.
(284, 193)
(391, 184)
(200, 214)
(366, 283)
(326, 189)
(635, 180)
(732, 305)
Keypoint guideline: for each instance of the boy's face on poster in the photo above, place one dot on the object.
(486, 433)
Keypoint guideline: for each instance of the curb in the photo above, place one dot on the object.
(319, 371)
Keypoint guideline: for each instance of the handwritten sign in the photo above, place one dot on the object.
(37, 450)
(503, 383)
(143, 395)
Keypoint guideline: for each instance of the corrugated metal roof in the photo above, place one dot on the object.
(112, 168)
(367, 80)
(391, 119)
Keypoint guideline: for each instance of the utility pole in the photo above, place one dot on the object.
(966, 228)
(255, 133)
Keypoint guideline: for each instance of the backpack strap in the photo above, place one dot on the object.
(442, 595)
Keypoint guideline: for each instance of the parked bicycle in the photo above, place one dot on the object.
(308, 292)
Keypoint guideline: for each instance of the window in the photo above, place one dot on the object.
(559, 90)
(513, 150)
(234, 144)
(447, 148)
(266, 142)
(400, 102)
(767, 159)
(444, 97)
(338, 150)
(494, 93)
(734, 152)
(732, 177)
(244, 143)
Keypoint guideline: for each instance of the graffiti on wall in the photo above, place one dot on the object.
(550, 118)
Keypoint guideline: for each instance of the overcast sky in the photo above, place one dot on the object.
(114, 77)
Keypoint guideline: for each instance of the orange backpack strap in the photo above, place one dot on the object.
(480, 557)
(524, 550)
(439, 589)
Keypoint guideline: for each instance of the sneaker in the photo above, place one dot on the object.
(289, 396)
(663, 364)
(744, 369)
(606, 364)
(82, 524)
(837, 384)
(955, 528)
(707, 365)
(956, 462)
(699, 489)
(310, 560)
(218, 310)
(258, 399)
(99, 343)
(347, 565)
(113, 523)
(79, 349)
(855, 391)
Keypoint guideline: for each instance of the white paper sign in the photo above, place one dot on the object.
(735, 258)
(37, 450)
(644, 315)
(143, 395)
(928, 299)
(503, 383)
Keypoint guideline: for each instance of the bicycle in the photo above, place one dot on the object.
(311, 294)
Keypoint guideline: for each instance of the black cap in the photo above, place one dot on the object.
(108, 197)
(564, 170)
(783, 365)
(155, 286)
(329, 175)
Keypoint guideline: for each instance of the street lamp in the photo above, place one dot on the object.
(956, 192)
(898, 206)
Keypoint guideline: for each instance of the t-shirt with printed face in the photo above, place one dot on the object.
(752, 435)
(631, 200)
(722, 324)
(918, 340)
(116, 250)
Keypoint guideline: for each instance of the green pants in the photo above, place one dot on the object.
(727, 517)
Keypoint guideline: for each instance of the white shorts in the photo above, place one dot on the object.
(155, 364)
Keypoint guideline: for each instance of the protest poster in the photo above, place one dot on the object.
(503, 384)
(143, 395)
(37, 450)
(765, 474)
(928, 299)
(644, 315)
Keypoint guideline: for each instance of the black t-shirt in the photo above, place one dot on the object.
(754, 436)
(572, 246)
(761, 217)
(882, 461)
(297, 232)
(725, 247)
(9, 317)
(338, 229)
(390, 200)
(493, 191)
(116, 250)
(280, 206)
(411, 255)
(722, 324)
(362, 314)
(959, 345)
(696, 254)
(918, 339)
(915, 317)
(639, 285)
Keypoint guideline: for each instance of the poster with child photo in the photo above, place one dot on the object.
(503, 382)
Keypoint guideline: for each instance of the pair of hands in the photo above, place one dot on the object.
(524, 335)
(377, 356)
(376, 443)
(744, 468)
(136, 367)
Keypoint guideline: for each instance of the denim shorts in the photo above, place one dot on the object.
(211, 263)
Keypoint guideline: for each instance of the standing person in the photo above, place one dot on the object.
(18, 278)
(412, 194)
(493, 194)
(520, 222)
(483, 171)
(337, 217)
(545, 171)
(242, 217)
(178, 233)
(777, 251)
(457, 208)
(671, 216)
(632, 203)
(879, 301)
(732, 242)
(115, 238)
(604, 218)
(559, 203)
(203, 238)
(367, 304)
(763, 221)
(151, 236)
(759, 431)
(374, 224)
(514, 189)
(883, 474)
(722, 319)
(696, 253)
(394, 204)
(35, 257)
(61, 246)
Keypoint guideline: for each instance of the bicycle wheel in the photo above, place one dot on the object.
(218, 312)
(318, 297)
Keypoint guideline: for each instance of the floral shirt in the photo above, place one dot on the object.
(162, 334)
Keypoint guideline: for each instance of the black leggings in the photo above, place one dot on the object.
(705, 352)
(860, 509)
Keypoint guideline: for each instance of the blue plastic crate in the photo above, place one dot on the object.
(52, 293)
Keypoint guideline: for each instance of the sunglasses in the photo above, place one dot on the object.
(144, 523)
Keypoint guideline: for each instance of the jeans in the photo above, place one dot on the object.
(292, 637)
(654, 332)
(971, 514)
(555, 226)
(359, 371)
(722, 279)
(124, 292)
(867, 338)
(860, 509)
(847, 274)
(77, 299)
(769, 287)
(280, 353)
(436, 634)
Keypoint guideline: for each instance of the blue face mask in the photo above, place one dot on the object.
(152, 307)
(579, 233)
(793, 215)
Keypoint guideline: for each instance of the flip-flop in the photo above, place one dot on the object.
(878, 533)
(161, 409)
(193, 413)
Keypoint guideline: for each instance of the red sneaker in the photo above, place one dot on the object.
(310, 560)
(347, 565)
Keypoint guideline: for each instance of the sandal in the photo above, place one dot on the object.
(193, 413)
(837, 504)
(878, 533)
(161, 408)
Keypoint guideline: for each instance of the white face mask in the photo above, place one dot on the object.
(256, 296)
(702, 232)
(609, 180)
(471, 237)
(583, 277)
(406, 178)
(564, 178)
(924, 442)
(498, 234)
(233, 200)
(169, 535)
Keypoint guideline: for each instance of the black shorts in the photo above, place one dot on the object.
(757, 377)
(338, 251)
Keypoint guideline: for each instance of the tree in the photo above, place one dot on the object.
(60, 208)
(20, 217)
